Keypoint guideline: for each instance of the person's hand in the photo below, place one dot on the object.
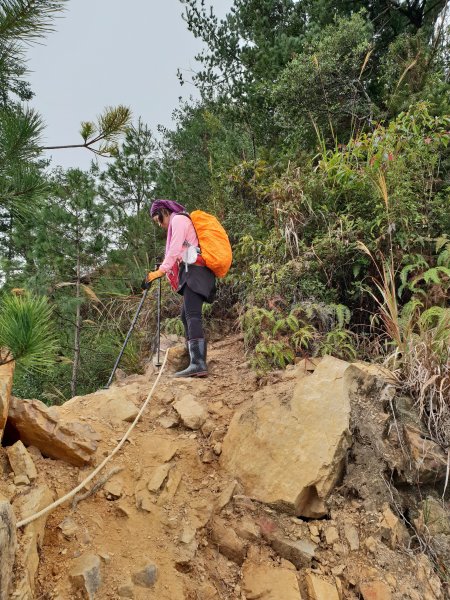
(154, 275)
(150, 277)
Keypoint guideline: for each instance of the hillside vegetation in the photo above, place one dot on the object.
(321, 140)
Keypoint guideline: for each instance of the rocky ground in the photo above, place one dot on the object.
(316, 483)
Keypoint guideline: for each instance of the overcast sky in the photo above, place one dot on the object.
(109, 52)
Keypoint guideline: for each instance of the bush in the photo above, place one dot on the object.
(274, 339)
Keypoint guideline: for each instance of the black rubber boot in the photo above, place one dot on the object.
(197, 367)
(185, 360)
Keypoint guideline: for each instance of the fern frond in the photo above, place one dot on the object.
(342, 314)
(441, 242)
(443, 260)
(339, 343)
(303, 337)
(410, 310)
(434, 275)
(435, 317)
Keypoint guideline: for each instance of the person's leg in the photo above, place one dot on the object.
(185, 361)
(192, 309)
(184, 321)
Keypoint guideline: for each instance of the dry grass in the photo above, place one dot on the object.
(426, 376)
(420, 350)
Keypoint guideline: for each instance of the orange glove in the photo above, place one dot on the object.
(154, 275)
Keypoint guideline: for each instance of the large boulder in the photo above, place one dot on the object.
(6, 381)
(288, 447)
(42, 427)
(113, 405)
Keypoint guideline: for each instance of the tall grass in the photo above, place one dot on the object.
(420, 342)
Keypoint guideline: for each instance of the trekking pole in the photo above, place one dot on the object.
(158, 323)
(144, 296)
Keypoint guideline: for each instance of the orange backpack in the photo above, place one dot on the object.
(213, 241)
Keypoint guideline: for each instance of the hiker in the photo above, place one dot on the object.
(188, 275)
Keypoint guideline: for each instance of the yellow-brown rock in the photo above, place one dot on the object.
(269, 582)
(31, 539)
(319, 589)
(288, 448)
(392, 529)
(375, 590)
(42, 427)
(429, 460)
(6, 381)
(110, 405)
(227, 541)
(21, 461)
(434, 518)
(8, 544)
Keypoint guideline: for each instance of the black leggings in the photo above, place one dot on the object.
(191, 314)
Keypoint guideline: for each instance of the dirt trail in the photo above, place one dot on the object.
(163, 529)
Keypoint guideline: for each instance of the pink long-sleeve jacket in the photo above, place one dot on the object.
(180, 234)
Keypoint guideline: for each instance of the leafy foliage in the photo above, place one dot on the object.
(325, 86)
(274, 339)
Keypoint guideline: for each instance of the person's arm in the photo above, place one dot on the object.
(180, 225)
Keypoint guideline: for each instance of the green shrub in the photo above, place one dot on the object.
(273, 338)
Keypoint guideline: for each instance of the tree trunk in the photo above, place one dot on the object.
(10, 240)
(76, 354)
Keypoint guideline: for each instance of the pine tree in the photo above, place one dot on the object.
(75, 231)
(129, 180)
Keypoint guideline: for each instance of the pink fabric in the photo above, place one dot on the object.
(180, 230)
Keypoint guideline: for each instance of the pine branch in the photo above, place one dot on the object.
(28, 20)
(110, 126)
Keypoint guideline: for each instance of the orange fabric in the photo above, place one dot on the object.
(152, 275)
(213, 241)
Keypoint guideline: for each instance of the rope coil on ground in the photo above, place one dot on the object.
(97, 470)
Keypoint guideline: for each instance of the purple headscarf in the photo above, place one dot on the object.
(170, 205)
(173, 207)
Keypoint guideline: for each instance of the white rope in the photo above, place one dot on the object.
(97, 470)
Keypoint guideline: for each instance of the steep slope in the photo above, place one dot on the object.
(230, 488)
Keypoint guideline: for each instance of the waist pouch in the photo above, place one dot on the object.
(174, 274)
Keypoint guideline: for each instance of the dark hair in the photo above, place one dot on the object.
(161, 213)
